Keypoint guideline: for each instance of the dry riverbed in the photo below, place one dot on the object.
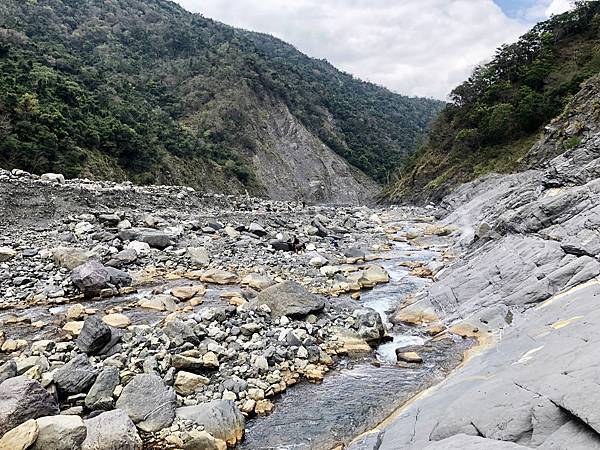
(164, 318)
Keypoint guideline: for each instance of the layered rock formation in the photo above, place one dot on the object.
(528, 289)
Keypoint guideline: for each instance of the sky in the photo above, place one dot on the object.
(413, 47)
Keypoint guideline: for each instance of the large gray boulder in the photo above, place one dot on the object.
(76, 376)
(90, 278)
(123, 258)
(369, 324)
(148, 402)
(60, 433)
(100, 396)
(94, 336)
(289, 299)
(154, 238)
(221, 418)
(22, 399)
(111, 430)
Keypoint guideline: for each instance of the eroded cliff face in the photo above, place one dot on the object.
(293, 164)
(527, 287)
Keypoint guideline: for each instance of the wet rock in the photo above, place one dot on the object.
(75, 312)
(221, 418)
(289, 299)
(369, 324)
(187, 292)
(21, 437)
(100, 396)
(22, 399)
(94, 336)
(148, 402)
(408, 357)
(217, 276)
(76, 376)
(60, 433)
(116, 320)
(418, 313)
(90, 278)
(111, 430)
(159, 303)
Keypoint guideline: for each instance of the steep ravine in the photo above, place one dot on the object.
(528, 286)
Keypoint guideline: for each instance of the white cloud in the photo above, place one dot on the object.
(558, 7)
(415, 47)
(543, 9)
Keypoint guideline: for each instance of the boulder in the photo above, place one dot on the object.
(57, 178)
(100, 396)
(187, 383)
(118, 278)
(159, 303)
(199, 256)
(148, 402)
(111, 430)
(6, 254)
(257, 229)
(217, 276)
(90, 278)
(123, 258)
(8, 370)
(75, 377)
(21, 437)
(188, 292)
(117, 320)
(221, 418)
(22, 399)
(369, 324)
(154, 238)
(94, 336)
(289, 299)
(60, 433)
(257, 281)
(203, 440)
(70, 258)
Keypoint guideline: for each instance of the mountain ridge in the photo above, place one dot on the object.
(144, 90)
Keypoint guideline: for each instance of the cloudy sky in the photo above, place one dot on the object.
(414, 47)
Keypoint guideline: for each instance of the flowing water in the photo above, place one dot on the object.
(363, 393)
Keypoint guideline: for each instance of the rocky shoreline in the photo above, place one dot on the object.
(161, 317)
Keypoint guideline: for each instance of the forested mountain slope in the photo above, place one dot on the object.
(144, 90)
(498, 114)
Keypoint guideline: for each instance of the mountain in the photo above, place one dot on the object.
(146, 91)
(501, 111)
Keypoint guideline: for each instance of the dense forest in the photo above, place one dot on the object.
(122, 88)
(498, 113)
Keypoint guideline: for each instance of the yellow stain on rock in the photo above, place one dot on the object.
(563, 323)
